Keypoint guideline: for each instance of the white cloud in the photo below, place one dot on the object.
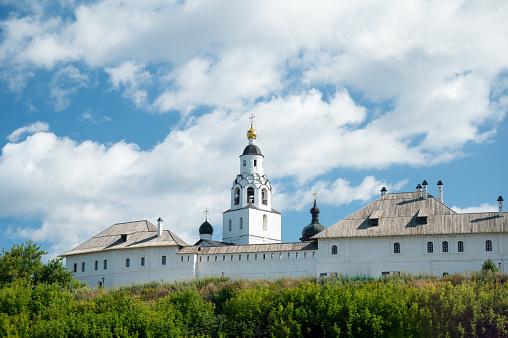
(94, 117)
(64, 84)
(484, 207)
(33, 128)
(132, 76)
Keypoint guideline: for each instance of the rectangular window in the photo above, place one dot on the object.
(83, 266)
(255, 162)
(75, 267)
(127, 262)
(163, 260)
(105, 264)
(142, 261)
(296, 255)
(96, 265)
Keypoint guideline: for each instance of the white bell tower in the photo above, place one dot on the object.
(251, 219)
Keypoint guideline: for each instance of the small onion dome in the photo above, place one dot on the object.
(418, 186)
(206, 228)
(424, 183)
(252, 133)
(500, 199)
(439, 183)
(314, 227)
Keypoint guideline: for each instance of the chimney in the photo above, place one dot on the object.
(440, 191)
(419, 187)
(383, 191)
(500, 201)
(159, 227)
(424, 184)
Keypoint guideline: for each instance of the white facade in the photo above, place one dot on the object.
(398, 232)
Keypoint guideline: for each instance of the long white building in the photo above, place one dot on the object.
(411, 232)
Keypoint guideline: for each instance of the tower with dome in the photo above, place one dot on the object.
(251, 219)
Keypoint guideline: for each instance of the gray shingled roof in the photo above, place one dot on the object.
(399, 218)
(252, 248)
(140, 234)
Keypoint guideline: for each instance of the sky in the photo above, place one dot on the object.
(114, 111)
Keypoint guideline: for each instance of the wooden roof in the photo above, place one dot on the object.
(252, 248)
(399, 218)
(140, 234)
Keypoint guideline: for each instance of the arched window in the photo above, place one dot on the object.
(241, 222)
(230, 225)
(265, 223)
(244, 163)
(396, 247)
(272, 255)
(445, 246)
(334, 249)
(460, 246)
(430, 247)
(237, 196)
(250, 195)
(255, 163)
(488, 245)
(264, 197)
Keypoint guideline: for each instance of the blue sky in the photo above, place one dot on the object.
(114, 111)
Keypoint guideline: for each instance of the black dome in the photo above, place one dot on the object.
(251, 149)
(314, 227)
(206, 228)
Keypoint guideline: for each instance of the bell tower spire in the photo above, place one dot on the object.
(251, 219)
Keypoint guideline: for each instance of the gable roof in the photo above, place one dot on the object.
(140, 234)
(399, 218)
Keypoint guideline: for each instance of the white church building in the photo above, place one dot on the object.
(411, 232)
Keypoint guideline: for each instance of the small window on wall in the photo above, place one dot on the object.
(142, 261)
(445, 246)
(105, 264)
(488, 245)
(460, 246)
(163, 260)
(334, 249)
(241, 223)
(181, 259)
(244, 163)
(83, 266)
(127, 262)
(96, 265)
(229, 225)
(75, 269)
(255, 163)
(396, 247)
(265, 223)
(430, 247)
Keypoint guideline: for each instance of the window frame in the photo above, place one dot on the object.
(396, 248)
(488, 245)
(430, 247)
(334, 250)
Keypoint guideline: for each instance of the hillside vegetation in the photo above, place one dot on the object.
(475, 304)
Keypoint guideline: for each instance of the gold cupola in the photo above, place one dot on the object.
(251, 133)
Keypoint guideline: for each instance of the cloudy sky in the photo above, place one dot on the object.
(114, 111)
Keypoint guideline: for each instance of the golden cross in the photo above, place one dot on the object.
(315, 195)
(251, 118)
(206, 214)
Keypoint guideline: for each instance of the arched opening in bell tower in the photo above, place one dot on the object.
(250, 195)
(237, 196)
(264, 196)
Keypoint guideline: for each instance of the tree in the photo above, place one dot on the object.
(25, 261)
(489, 265)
